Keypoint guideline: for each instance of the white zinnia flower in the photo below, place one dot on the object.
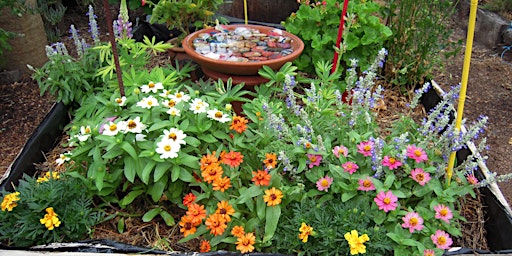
(152, 87)
(85, 133)
(165, 93)
(167, 149)
(112, 128)
(179, 96)
(216, 114)
(63, 158)
(174, 112)
(134, 126)
(148, 102)
(121, 101)
(169, 103)
(175, 135)
(198, 106)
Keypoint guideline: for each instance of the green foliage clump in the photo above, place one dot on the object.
(330, 221)
(317, 25)
(420, 39)
(22, 224)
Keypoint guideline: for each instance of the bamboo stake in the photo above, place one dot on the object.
(245, 13)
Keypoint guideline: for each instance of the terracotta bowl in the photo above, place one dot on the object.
(241, 68)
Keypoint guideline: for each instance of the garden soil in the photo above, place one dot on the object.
(489, 93)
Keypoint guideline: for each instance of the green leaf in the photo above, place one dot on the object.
(146, 172)
(169, 220)
(129, 149)
(128, 199)
(175, 173)
(151, 214)
(120, 225)
(348, 195)
(130, 168)
(160, 170)
(157, 189)
(272, 218)
(249, 193)
(160, 125)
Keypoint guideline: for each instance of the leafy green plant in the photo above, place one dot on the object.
(420, 40)
(498, 5)
(185, 16)
(317, 23)
(50, 208)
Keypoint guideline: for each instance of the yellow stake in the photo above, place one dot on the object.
(245, 12)
(464, 82)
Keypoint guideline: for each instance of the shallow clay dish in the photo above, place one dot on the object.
(241, 68)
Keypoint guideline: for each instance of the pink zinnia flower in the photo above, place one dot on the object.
(418, 154)
(443, 213)
(350, 167)
(442, 240)
(365, 148)
(324, 183)
(340, 150)
(366, 184)
(386, 201)
(314, 160)
(412, 221)
(429, 252)
(420, 176)
(391, 162)
(472, 179)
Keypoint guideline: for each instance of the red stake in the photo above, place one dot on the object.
(112, 40)
(340, 35)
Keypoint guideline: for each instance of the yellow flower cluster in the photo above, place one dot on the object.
(305, 231)
(50, 219)
(9, 201)
(47, 176)
(356, 242)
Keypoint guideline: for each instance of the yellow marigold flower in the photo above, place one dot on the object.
(273, 196)
(54, 175)
(50, 219)
(305, 231)
(9, 201)
(356, 242)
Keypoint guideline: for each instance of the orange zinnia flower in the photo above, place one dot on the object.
(238, 231)
(216, 223)
(205, 246)
(221, 183)
(261, 178)
(208, 160)
(273, 196)
(212, 174)
(232, 158)
(197, 213)
(188, 199)
(225, 209)
(187, 225)
(270, 161)
(245, 243)
(238, 124)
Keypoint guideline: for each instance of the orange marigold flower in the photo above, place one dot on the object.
(212, 174)
(225, 209)
(245, 243)
(261, 178)
(221, 183)
(232, 158)
(187, 225)
(208, 161)
(238, 124)
(188, 199)
(205, 246)
(270, 161)
(197, 213)
(273, 196)
(238, 231)
(216, 223)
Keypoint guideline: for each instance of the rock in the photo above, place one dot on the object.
(489, 26)
(507, 36)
